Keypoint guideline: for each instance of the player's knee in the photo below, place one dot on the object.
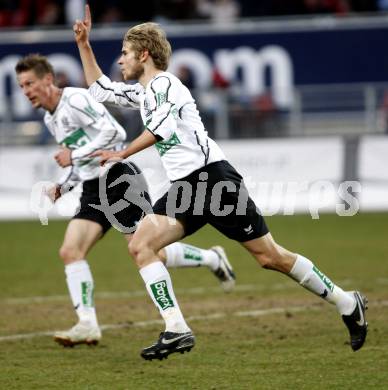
(69, 254)
(133, 248)
(136, 248)
(141, 253)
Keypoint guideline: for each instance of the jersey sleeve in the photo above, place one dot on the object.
(106, 91)
(163, 121)
(69, 179)
(87, 112)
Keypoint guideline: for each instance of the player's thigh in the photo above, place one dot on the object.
(157, 231)
(82, 234)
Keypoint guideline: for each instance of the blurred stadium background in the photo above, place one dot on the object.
(295, 91)
(291, 99)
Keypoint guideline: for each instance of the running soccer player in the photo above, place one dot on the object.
(82, 125)
(192, 160)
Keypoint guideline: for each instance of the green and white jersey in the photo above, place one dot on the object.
(169, 112)
(82, 124)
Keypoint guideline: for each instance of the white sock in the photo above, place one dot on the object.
(309, 276)
(81, 287)
(159, 287)
(183, 255)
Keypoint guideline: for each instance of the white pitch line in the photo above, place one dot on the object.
(140, 324)
(183, 291)
(209, 317)
(186, 291)
(22, 336)
(140, 293)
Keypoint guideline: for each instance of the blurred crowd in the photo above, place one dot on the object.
(22, 13)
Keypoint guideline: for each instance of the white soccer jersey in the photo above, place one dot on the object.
(84, 125)
(169, 111)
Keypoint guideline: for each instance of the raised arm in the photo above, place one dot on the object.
(143, 141)
(81, 32)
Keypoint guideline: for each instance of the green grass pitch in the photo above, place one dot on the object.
(267, 334)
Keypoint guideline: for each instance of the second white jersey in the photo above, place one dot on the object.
(84, 125)
(169, 112)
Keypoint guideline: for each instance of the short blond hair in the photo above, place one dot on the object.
(150, 36)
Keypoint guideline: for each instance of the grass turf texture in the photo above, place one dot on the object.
(302, 347)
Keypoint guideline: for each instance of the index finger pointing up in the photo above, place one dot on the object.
(88, 16)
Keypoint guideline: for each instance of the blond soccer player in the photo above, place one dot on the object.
(193, 161)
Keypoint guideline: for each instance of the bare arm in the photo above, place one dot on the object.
(143, 141)
(81, 32)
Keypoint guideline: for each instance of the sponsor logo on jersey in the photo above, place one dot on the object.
(65, 121)
(161, 98)
(77, 139)
(91, 112)
(164, 146)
